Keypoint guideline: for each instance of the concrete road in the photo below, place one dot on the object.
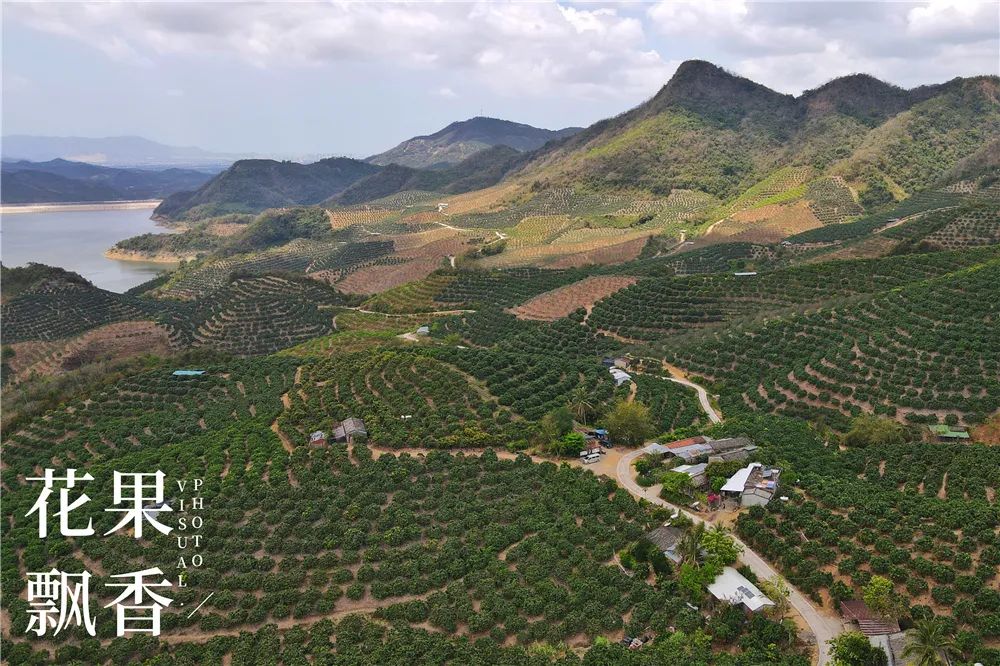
(822, 626)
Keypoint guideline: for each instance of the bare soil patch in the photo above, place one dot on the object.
(767, 224)
(561, 302)
(113, 341)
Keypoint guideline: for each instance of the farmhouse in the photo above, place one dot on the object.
(423, 330)
(620, 376)
(349, 429)
(318, 438)
(696, 472)
(946, 433)
(730, 448)
(667, 539)
(689, 449)
(754, 485)
(731, 586)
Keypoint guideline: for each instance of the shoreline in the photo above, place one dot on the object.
(160, 258)
(139, 204)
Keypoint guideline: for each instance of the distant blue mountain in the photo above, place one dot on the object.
(60, 180)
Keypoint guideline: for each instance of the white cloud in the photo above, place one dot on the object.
(712, 17)
(955, 20)
(618, 51)
(792, 46)
(447, 93)
(514, 49)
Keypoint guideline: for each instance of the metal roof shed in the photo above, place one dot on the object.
(732, 586)
(737, 482)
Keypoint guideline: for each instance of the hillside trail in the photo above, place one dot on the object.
(407, 314)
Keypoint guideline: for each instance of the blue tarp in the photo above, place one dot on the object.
(188, 373)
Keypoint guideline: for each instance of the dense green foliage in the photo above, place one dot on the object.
(250, 186)
(915, 514)
(654, 307)
(671, 405)
(877, 355)
(19, 279)
(478, 171)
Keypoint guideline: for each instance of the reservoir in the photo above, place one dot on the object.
(76, 240)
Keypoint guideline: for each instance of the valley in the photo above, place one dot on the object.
(543, 401)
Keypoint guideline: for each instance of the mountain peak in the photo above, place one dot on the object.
(707, 89)
(461, 139)
(860, 96)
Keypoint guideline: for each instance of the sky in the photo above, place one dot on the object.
(340, 78)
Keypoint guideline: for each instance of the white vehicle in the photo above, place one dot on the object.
(591, 458)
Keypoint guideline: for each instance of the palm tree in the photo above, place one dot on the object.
(579, 404)
(690, 546)
(930, 644)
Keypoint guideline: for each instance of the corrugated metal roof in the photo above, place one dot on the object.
(737, 482)
(732, 586)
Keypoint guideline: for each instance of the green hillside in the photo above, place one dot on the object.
(480, 170)
(250, 186)
(719, 133)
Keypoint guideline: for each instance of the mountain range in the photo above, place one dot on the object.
(706, 130)
(115, 151)
(712, 131)
(464, 156)
(61, 180)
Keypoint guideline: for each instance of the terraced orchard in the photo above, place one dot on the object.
(971, 225)
(918, 204)
(923, 516)
(655, 307)
(405, 399)
(59, 309)
(298, 256)
(119, 340)
(260, 315)
(974, 227)
(671, 405)
(832, 201)
(451, 551)
(921, 352)
(148, 411)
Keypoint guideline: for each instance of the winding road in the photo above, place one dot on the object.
(706, 405)
(822, 626)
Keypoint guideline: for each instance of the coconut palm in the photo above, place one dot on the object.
(579, 404)
(930, 644)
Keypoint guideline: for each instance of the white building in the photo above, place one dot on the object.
(621, 377)
(731, 586)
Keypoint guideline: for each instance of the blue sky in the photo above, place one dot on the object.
(356, 78)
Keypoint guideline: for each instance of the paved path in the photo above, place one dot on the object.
(713, 415)
(823, 627)
(706, 405)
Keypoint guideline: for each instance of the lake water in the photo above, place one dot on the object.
(76, 241)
